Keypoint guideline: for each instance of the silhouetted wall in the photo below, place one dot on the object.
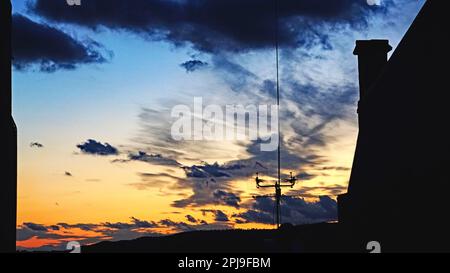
(400, 181)
(8, 191)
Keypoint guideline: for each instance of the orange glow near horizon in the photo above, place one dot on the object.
(100, 191)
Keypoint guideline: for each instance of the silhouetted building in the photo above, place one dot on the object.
(8, 190)
(400, 182)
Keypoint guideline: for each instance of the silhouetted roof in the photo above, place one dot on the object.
(400, 171)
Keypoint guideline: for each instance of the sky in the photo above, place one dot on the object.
(93, 90)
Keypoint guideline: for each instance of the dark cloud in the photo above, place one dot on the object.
(35, 227)
(191, 218)
(293, 210)
(156, 159)
(269, 87)
(290, 158)
(85, 227)
(202, 193)
(335, 168)
(54, 227)
(209, 191)
(97, 148)
(210, 182)
(327, 103)
(98, 232)
(193, 65)
(211, 170)
(24, 232)
(49, 48)
(181, 226)
(202, 225)
(314, 191)
(219, 215)
(227, 198)
(36, 145)
(135, 224)
(253, 216)
(118, 225)
(232, 25)
(150, 158)
(143, 224)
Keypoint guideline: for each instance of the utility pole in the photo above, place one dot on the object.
(279, 183)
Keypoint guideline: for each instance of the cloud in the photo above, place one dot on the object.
(291, 158)
(335, 168)
(314, 99)
(227, 198)
(55, 237)
(181, 226)
(156, 159)
(253, 216)
(206, 192)
(135, 224)
(211, 26)
(35, 227)
(193, 65)
(233, 74)
(143, 224)
(202, 225)
(36, 145)
(191, 218)
(50, 49)
(293, 210)
(211, 170)
(117, 225)
(85, 227)
(219, 215)
(54, 227)
(97, 148)
(314, 191)
(305, 176)
(158, 180)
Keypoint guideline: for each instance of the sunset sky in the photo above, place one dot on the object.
(93, 90)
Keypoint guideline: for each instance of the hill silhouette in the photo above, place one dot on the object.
(323, 237)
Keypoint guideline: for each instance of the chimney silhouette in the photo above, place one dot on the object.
(372, 57)
(8, 178)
